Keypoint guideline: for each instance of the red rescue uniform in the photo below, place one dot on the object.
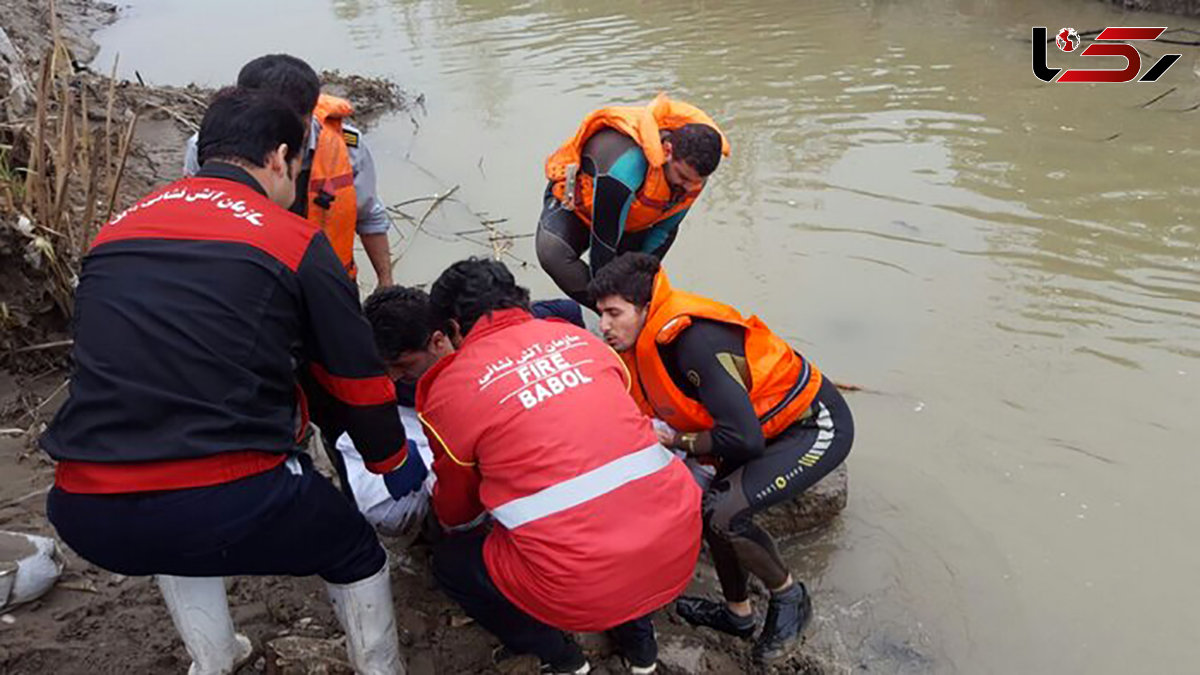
(530, 422)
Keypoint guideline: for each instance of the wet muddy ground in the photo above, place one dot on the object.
(98, 622)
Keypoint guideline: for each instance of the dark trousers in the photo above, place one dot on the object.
(459, 568)
(795, 460)
(276, 522)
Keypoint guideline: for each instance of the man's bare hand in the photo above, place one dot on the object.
(666, 435)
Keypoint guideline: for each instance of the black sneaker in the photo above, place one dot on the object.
(715, 615)
(573, 664)
(787, 615)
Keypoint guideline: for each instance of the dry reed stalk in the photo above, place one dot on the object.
(57, 344)
(88, 176)
(420, 224)
(64, 161)
(122, 156)
(108, 115)
(34, 188)
(54, 20)
(436, 203)
(73, 169)
(177, 116)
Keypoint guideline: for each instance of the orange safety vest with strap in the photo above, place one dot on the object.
(654, 201)
(332, 200)
(782, 383)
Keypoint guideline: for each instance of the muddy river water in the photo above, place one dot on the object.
(1011, 268)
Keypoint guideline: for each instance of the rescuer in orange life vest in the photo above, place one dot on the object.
(731, 391)
(336, 186)
(623, 182)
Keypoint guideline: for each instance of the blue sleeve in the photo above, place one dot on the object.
(630, 168)
(662, 234)
(559, 308)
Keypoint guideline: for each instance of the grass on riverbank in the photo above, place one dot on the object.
(63, 151)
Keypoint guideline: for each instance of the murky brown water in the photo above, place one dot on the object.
(1014, 266)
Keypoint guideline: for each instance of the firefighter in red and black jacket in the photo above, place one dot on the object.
(209, 323)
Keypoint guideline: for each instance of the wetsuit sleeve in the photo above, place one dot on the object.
(191, 156)
(455, 496)
(343, 377)
(660, 237)
(708, 356)
(614, 188)
(373, 217)
(565, 309)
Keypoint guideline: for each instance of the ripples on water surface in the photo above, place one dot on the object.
(1013, 266)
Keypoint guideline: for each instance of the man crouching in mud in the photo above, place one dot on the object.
(563, 511)
(198, 311)
(732, 392)
(410, 343)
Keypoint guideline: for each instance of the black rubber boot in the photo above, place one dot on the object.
(638, 646)
(715, 615)
(787, 615)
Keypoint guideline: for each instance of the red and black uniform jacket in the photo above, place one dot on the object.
(209, 323)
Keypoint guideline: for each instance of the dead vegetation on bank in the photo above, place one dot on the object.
(66, 137)
(77, 145)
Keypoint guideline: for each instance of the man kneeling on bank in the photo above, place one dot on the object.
(733, 393)
(563, 511)
(410, 342)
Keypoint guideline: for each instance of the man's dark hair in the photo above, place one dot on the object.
(401, 320)
(285, 76)
(697, 144)
(629, 275)
(472, 288)
(248, 125)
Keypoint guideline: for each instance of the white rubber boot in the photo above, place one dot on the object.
(200, 612)
(364, 608)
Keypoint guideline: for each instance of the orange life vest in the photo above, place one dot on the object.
(782, 383)
(653, 201)
(332, 201)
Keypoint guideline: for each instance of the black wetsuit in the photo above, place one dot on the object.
(618, 168)
(708, 363)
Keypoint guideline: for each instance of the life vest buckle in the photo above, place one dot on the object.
(323, 199)
(568, 199)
